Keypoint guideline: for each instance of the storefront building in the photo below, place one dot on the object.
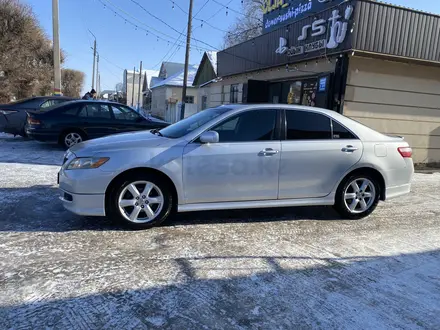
(374, 62)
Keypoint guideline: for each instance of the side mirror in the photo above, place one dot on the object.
(209, 137)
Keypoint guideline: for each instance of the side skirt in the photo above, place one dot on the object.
(328, 200)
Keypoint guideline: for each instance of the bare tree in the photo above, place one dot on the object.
(72, 82)
(247, 26)
(26, 59)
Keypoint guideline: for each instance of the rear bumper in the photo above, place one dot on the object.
(85, 205)
(41, 135)
(394, 192)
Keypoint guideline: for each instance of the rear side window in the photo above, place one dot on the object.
(304, 125)
(340, 132)
(47, 104)
(96, 111)
(71, 111)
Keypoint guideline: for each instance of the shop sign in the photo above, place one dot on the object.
(278, 13)
(338, 29)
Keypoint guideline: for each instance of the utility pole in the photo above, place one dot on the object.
(139, 88)
(134, 82)
(56, 49)
(188, 45)
(98, 86)
(94, 59)
(97, 76)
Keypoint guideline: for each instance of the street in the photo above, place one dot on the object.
(248, 269)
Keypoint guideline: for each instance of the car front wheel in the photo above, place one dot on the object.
(357, 196)
(140, 201)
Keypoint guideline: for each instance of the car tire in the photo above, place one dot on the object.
(71, 135)
(121, 197)
(352, 203)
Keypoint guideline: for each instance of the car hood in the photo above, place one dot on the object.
(121, 141)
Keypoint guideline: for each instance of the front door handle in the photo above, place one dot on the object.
(349, 149)
(267, 152)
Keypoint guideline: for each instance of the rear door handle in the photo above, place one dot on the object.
(349, 149)
(267, 152)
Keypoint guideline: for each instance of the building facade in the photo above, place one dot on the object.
(374, 62)
(131, 84)
(167, 96)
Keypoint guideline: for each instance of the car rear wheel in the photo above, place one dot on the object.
(357, 196)
(140, 201)
(70, 138)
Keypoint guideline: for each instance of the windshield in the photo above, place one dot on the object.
(193, 122)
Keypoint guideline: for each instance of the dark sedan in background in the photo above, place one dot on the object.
(13, 115)
(77, 121)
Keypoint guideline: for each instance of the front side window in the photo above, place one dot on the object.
(124, 113)
(254, 125)
(305, 125)
(234, 93)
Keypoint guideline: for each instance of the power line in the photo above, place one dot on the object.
(133, 17)
(235, 11)
(112, 63)
(177, 5)
(168, 25)
(148, 31)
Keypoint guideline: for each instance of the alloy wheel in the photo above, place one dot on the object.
(140, 202)
(359, 195)
(71, 139)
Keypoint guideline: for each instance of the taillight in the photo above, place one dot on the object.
(406, 152)
(33, 121)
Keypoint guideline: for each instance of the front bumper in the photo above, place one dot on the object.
(83, 191)
(85, 205)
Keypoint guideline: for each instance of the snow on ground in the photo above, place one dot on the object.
(258, 269)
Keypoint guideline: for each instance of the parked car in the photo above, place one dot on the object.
(237, 156)
(77, 121)
(13, 115)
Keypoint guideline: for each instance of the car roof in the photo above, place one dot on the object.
(51, 97)
(94, 101)
(275, 106)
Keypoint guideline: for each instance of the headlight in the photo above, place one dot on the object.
(86, 163)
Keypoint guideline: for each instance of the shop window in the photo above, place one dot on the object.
(304, 125)
(189, 99)
(255, 125)
(234, 93)
(340, 132)
(294, 96)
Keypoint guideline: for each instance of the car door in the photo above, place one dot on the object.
(242, 166)
(96, 120)
(314, 156)
(126, 119)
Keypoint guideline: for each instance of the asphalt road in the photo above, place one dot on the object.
(260, 269)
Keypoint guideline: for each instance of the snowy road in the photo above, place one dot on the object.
(259, 269)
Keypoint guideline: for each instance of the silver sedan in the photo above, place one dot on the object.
(237, 156)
